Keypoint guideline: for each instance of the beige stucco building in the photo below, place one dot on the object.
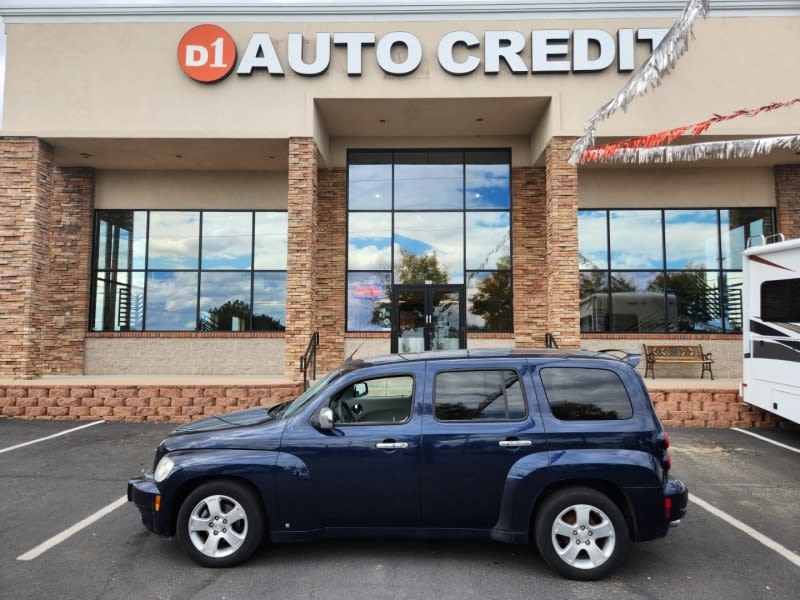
(392, 176)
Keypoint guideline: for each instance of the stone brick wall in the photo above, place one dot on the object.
(69, 266)
(331, 274)
(528, 197)
(561, 218)
(183, 403)
(142, 403)
(301, 286)
(711, 408)
(787, 200)
(27, 186)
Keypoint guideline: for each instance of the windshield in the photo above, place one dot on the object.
(311, 393)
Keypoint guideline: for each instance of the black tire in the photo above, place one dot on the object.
(235, 521)
(581, 534)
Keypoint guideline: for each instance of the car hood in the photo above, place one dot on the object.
(252, 429)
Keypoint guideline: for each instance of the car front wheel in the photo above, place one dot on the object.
(581, 533)
(220, 524)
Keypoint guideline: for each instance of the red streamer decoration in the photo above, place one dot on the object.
(665, 138)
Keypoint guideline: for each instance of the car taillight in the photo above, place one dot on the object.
(667, 508)
(668, 462)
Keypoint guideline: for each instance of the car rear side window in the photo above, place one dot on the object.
(585, 394)
(481, 395)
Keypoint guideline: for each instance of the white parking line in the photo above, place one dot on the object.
(67, 533)
(50, 437)
(760, 537)
(766, 439)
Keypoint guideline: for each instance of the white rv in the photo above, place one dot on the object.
(771, 328)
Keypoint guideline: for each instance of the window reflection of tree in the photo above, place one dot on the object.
(222, 318)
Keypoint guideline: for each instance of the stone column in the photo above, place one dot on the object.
(301, 288)
(25, 196)
(528, 230)
(561, 222)
(787, 200)
(69, 270)
(331, 276)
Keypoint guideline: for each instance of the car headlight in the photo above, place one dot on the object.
(163, 469)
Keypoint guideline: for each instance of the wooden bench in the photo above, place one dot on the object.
(672, 353)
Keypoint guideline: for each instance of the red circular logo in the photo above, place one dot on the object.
(207, 53)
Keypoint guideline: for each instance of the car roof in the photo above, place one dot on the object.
(626, 356)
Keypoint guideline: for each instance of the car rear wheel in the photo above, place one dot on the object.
(581, 533)
(221, 524)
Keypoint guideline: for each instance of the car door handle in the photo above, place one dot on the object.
(391, 445)
(515, 443)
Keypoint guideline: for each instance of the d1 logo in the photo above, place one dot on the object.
(207, 53)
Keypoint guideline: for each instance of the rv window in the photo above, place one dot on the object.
(779, 301)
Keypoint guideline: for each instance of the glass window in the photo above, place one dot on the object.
(147, 275)
(227, 240)
(489, 301)
(430, 247)
(697, 289)
(271, 241)
(636, 239)
(485, 395)
(488, 239)
(429, 181)
(779, 301)
(740, 225)
(581, 394)
(369, 241)
(430, 237)
(692, 238)
(488, 179)
(368, 301)
(593, 239)
(171, 301)
(371, 401)
(269, 301)
(174, 240)
(369, 181)
(225, 301)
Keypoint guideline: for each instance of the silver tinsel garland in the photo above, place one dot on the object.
(649, 75)
(703, 151)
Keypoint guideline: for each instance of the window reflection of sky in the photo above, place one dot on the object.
(271, 240)
(369, 241)
(269, 295)
(428, 187)
(370, 187)
(171, 301)
(227, 240)
(488, 186)
(593, 239)
(174, 240)
(443, 235)
(636, 239)
(691, 239)
(216, 289)
(488, 239)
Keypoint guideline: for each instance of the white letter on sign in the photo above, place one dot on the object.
(196, 56)
(446, 59)
(322, 60)
(260, 54)
(354, 42)
(413, 53)
(581, 40)
(506, 45)
(543, 48)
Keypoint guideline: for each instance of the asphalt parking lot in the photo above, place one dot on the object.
(741, 538)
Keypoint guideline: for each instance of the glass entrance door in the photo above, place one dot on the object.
(428, 317)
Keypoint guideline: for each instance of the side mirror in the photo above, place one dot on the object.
(360, 389)
(324, 419)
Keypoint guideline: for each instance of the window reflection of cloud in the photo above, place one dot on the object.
(174, 239)
(369, 257)
(369, 244)
(271, 240)
(593, 240)
(487, 186)
(636, 239)
(442, 234)
(487, 239)
(269, 295)
(227, 238)
(171, 301)
(369, 187)
(691, 244)
(421, 187)
(218, 288)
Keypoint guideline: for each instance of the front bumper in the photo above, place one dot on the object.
(144, 493)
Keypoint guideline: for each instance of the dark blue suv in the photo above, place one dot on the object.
(562, 448)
